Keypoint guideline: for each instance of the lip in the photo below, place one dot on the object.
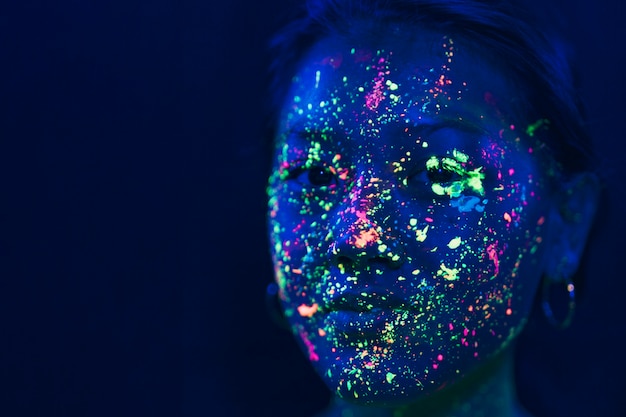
(362, 312)
(364, 301)
(370, 324)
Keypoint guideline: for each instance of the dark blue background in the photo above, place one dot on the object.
(132, 251)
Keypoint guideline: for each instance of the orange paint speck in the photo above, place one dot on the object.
(365, 237)
(307, 311)
(321, 332)
(509, 311)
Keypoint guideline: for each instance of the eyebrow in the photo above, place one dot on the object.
(430, 126)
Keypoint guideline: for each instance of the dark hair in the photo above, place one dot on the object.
(534, 61)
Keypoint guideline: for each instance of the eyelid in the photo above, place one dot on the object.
(298, 169)
(300, 164)
(437, 162)
(294, 172)
(443, 174)
(305, 136)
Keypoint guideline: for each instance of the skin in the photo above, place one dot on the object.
(408, 216)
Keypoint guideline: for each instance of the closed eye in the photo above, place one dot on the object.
(437, 171)
(441, 175)
(314, 176)
(448, 176)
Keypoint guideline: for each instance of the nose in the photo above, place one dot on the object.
(362, 236)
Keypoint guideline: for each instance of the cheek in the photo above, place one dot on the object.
(299, 241)
(502, 251)
(466, 242)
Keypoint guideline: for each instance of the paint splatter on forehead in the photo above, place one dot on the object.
(403, 209)
(366, 77)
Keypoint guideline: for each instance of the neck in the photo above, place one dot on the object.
(489, 391)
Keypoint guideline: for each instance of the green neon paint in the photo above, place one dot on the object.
(533, 127)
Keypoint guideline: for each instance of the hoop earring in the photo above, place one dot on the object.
(547, 309)
(273, 307)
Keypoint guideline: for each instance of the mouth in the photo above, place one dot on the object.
(365, 301)
(365, 312)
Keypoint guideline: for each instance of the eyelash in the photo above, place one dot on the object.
(437, 171)
(443, 174)
(317, 176)
(448, 176)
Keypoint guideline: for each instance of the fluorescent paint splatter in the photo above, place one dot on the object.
(450, 274)
(455, 243)
(533, 127)
(307, 311)
(309, 346)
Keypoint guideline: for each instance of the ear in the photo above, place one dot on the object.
(571, 221)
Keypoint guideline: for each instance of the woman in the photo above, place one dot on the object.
(431, 175)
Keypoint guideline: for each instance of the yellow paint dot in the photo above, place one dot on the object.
(422, 234)
(450, 274)
(438, 189)
(454, 243)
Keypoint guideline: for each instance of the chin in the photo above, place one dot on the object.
(363, 373)
(363, 377)
(402, 390)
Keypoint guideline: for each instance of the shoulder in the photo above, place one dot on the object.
(520, 411)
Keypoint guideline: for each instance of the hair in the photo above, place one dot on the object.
(536, 62)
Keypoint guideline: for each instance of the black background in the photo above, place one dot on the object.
(133, 259)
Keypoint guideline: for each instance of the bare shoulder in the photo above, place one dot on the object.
(520, 411)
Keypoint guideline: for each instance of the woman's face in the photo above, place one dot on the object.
(407, 210)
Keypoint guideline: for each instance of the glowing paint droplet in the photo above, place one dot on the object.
(307, 311)
(454, 243)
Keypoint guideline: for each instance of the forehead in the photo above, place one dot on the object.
(401, 70)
